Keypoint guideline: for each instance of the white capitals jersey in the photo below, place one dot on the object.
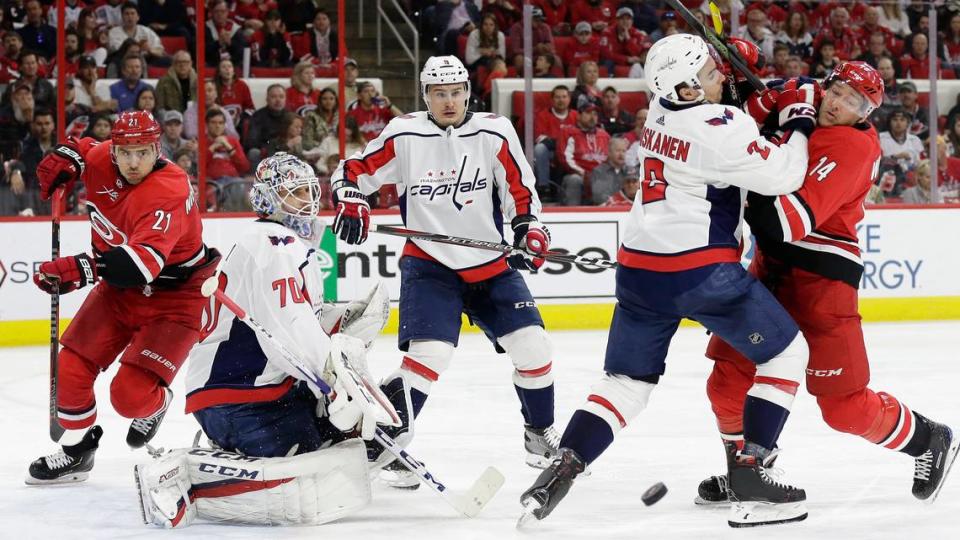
(458, 181)
(698, 162)
(276, 277)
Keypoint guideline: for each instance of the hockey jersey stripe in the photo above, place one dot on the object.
(212, 396)
(676, 262)
(372, 162)
(519, 192)
(140, 263)
(473, 274)
(796, 221)
(830, 246)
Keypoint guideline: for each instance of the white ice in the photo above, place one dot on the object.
(472, 420)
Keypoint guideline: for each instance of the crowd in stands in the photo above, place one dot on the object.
(585, 134)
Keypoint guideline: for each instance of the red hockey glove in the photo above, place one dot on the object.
(62, 166)
(71, 273)
(353, 213)
(750, 53)
(532, 237)
(761, 104)
(797, 105)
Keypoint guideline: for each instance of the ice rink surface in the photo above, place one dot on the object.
(855, 490)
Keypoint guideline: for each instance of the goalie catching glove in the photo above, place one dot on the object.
(356, 402)
(362, 319)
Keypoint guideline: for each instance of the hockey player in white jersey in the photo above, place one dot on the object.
(285, 454)
(458, 173)
(680, 259)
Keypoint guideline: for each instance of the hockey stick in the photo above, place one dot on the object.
(56, 430)
(730, 54)
(468, 503)
(495, 246)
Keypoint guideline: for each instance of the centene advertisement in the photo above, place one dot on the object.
(903, 251)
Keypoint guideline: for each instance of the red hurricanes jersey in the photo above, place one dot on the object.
(815, 227)
(155, 224)
(371, 122)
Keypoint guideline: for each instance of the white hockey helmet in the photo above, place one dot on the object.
(676, 60)
(277, 177)
(443, 70)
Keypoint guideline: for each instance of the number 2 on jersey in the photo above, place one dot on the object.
(653, 186)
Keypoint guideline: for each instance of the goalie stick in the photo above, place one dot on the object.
(468, 503)
(495, 246)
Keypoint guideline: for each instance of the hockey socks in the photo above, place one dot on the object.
(536, 405)
(879, 418)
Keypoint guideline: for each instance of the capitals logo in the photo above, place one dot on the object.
(436, 185)
(721, 120)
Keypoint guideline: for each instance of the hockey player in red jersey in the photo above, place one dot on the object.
(808, 256)
(147, 264)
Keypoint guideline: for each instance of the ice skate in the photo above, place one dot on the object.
(398, 393)
(142, 430)
(397, 476)
(541, 445)
(932, 467)
(757, 498)
(71, 464)
(713, 490)
(551, 486)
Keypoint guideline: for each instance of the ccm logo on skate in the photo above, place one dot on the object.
(224, 470)
(824, 372)
(521, 305)
(159, 358)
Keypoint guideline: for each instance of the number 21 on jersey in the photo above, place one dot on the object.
(653, 185)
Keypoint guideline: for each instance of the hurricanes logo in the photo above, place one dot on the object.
(107, 230)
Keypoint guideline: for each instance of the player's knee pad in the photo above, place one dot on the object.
(531, 351)
(76, 404)
(618, 399)
(727, 389)
(135, 392)
(424, 362)
(778, 379)
(306, 489)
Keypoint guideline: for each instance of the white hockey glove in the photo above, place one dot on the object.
(358, 403)
(362, 319)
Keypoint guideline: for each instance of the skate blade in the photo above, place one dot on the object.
(527, 516)
(67, 479)
(759, 514)
(140, 495)
(700, 501)
(951, 458)
(396, 481)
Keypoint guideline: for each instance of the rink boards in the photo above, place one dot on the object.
(909, 267)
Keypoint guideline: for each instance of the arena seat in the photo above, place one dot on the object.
(156, 72)
(274, 72)
(172, 44)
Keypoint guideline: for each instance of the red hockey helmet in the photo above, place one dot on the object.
(863, 78)
(135, 127)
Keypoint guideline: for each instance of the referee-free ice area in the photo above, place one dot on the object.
(472, 420)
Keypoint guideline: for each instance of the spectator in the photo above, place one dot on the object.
(629, 186)
(351, 70)
(72, 50)
(498, 70)
(916, 63)
(90, 91)
(323, 39)
(891, 93)
(547, 127)
(126, 89)
(876, 49)
(371, 112)
(22, 196)
(825, 59)
(898, 144)
(839, 32)
(273, 43)
(542, 39)
(331, 145)
(555, 15)
(451, 18)
(919, 193)
(223, 36)
(587, 75)
(179, 85)
(633, 138)
(301, 95)
(9, 62)
(794, 67)
(76, 115)
(147, 101)
(584, 48)
(252, 13)
(796, 36)
(95, 38)
(190, 128)
(297, 14)
(266, 123)
(893, 18)
(17, 115)
(598, 13)
(622, 44)
(614, 120)
(485, 43)
(168, 18)
(172, 139)
(115, 60)
(233, 94)
(645, 16)
(919, 116)
(71, 10)
(226, 163)
(543, 66)
(110, 14)
(871, 25)
(290, 140)
(950, 44)
(100, 127)
(952, 139)
(668, 26)
(184, 159)
(322, 121)
(505, 12)
(777, 66)
(583, 147)
(757, 31)
(36, 33)
(149, 41)
(607, 178)
(43, 92)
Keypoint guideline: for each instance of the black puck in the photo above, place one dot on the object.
(654, 493)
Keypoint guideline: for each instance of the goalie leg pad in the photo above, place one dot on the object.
(306, 489)
(532, 352)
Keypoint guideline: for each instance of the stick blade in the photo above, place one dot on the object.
(717, 18)
(482, 491)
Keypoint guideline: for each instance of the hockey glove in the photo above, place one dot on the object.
(353, 213)
(797, 103)
(62, 166)
(71, 273)
(751, 54)
(532, 237)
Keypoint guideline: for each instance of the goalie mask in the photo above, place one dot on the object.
(287, 190)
